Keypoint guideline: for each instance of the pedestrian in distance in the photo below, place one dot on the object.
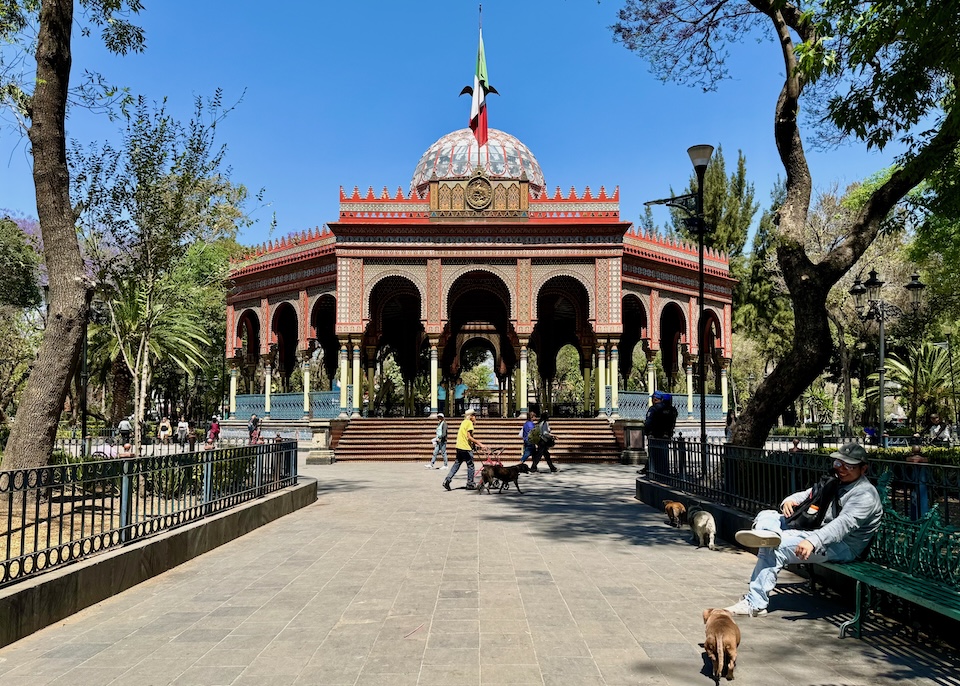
(466, 442)
(545, 441)
(831, 522)
(528, 426)
(253, 429)
(459, 396)
(125, 429)
(439, 441)
(183, 428)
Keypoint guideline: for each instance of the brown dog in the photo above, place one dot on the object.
(721, 642)
(506, 475)
(675, 511)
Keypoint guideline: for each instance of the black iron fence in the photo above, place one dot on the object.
(753, 479)
(58, 514)
(111, 447)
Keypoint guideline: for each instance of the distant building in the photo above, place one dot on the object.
(476, 251)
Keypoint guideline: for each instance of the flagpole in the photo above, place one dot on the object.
(480, 23)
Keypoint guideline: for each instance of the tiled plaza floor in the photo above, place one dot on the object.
(389, 579)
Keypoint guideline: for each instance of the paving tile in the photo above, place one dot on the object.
(389, 581)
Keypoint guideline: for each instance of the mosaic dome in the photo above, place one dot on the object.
(454, 155)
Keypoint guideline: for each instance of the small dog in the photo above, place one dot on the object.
(704, 527)
(721, 642)
(506, 475)
(675, 511)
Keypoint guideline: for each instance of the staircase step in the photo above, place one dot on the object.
(409, 439)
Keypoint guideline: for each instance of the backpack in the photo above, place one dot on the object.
(809, 514)
(534, 436)
(547, 437)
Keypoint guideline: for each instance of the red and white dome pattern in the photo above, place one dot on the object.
(456, 155)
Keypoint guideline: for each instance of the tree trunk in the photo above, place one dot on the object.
(34, 430)
(120, 400)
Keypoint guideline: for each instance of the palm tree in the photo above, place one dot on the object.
(144, 330)
(922, 380)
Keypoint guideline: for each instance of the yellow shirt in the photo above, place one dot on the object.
(463, 435)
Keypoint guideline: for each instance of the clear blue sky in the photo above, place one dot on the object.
(343, 94)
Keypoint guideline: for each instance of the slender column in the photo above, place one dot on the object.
(522, 399)
(614, 380)
(344, 373)
(587, 390)
(305, 371)
(690, 363)
(725, 405)
(234, 376)
(267, 384)
(602, 379)
(371, 378)
(651, 379)
(357, 381)
(434, 379)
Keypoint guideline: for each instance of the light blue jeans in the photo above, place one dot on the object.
(527, 452)
(436, 451)
(771, 560)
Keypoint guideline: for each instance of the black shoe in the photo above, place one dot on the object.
(535, 470)
(553, 469)
(446, 485)
(471, 487)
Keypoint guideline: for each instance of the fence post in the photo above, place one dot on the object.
(126, 488)
(292, 457)
(207, 482)
(259, 469)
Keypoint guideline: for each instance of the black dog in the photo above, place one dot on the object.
(506, 475)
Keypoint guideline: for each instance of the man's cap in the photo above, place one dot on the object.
(659, 395)
(469, 412)
(440, 414)
(851, 453)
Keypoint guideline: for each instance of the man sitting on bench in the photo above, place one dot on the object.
(843, 534)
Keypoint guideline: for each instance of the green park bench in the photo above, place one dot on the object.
(917, 560)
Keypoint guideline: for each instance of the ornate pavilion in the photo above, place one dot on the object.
(476, 253)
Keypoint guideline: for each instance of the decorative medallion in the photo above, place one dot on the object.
(479, 193)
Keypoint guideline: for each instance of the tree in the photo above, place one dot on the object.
(45, 108)
(922, 380)
(876, 71)
(18, 264)
(142, 207)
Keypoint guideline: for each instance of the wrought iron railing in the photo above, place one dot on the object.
(286, 406)
(249, 404)
(633, 404)
(61, 513)
(325, 404)
(106, 448)
(752, 479)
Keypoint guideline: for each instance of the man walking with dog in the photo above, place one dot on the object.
(831, 522)
(465, 445)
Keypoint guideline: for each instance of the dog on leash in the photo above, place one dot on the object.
(676, 512)
(704, 527)
(721, 642)
(506, 475)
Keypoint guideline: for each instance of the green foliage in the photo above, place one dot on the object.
(764, 312)
(921, 380)
(18, 264)
(568, 384)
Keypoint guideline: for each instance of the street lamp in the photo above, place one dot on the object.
(870, 305)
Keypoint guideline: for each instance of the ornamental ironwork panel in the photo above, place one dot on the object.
(254, 403)
(325, 404)
(286, 406)
(634, 404)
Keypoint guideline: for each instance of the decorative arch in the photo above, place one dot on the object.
(563, 317)
(478, 304)
(284, 330)
(636, 328)
(395, 308)
(390, 273)
(323, 326)
(453, 275)
(537, 286)
(673, 338)
(712, 337)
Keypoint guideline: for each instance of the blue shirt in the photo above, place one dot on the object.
(458, 392)
(441, 393)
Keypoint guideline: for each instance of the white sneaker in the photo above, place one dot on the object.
(742, 608)
(758, 538)
(428, 466)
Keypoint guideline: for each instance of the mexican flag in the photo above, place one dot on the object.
(478, 109)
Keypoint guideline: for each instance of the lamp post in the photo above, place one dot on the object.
(953, 383)
(870, 305)
(700, 158)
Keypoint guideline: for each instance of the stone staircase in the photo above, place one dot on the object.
(408, 439)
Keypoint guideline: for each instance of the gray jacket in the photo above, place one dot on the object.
(860, 512)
